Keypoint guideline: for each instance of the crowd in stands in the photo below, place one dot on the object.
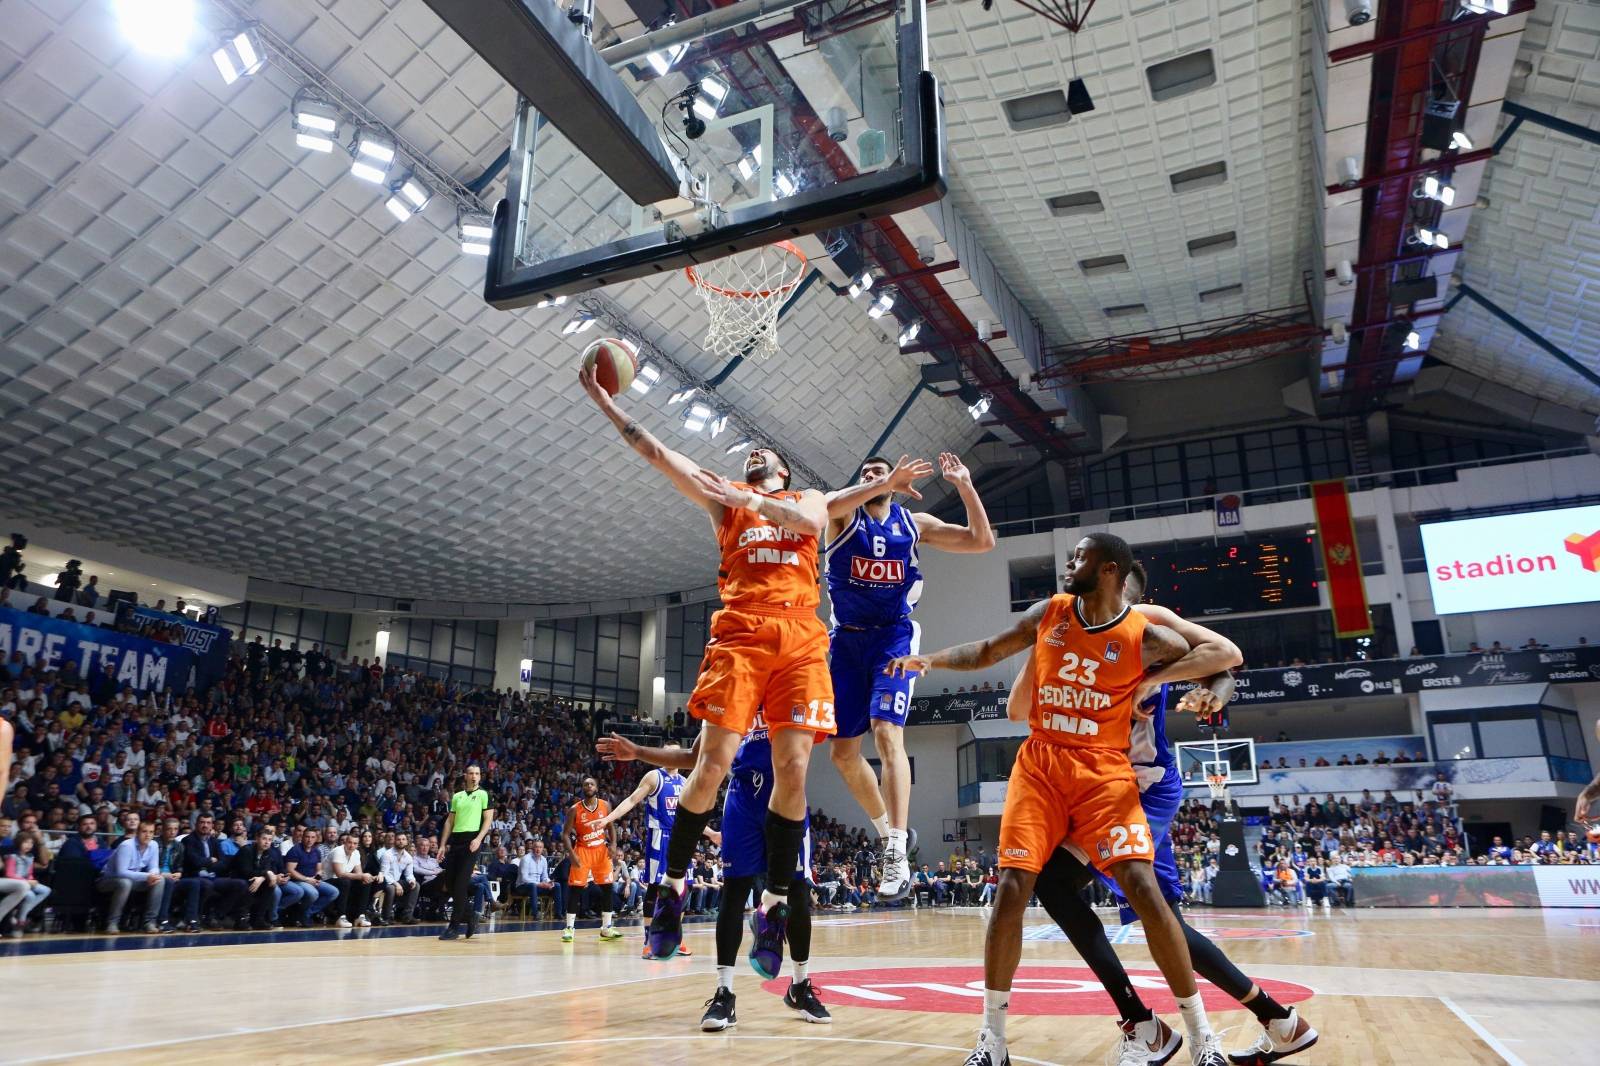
(1308, 848)
(1381, 758)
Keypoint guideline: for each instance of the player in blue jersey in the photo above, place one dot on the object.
(873, 583)
(658, 790)
(1146, 1039)
(744, 857)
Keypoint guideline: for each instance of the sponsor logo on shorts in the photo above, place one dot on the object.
(1105, 850)
(712, 708)
(797, 714)
(884, 701)
(1057, 637)
(1113, 651)
(1036, 990)
(1015, 853)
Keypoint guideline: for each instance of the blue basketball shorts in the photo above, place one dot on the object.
(744, 836)
(861, 690)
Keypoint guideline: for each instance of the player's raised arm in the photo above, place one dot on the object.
(1589, 796)
(906, 473)
(978, 655)
(647, 787)
(1197, 652)
(977, 535)
(1213, 694)
(676, 466)
(807, 516)
(620, 749)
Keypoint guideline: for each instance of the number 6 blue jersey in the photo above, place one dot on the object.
(873, 577)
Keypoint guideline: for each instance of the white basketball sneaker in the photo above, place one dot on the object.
(1207, 1051)
(991, 1051)
(1278, 1040)
(1149, 1043)
(896, 883)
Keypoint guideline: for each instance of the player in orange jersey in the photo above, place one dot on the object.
(591, 840)
(1095, 659)
(767, 648)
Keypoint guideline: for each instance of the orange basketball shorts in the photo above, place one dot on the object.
(755, 660)
(1083, 799)
(590, 864)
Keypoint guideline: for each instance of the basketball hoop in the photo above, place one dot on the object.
(743, 293)
(1218, 784)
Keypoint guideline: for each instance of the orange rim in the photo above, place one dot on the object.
(752, 294)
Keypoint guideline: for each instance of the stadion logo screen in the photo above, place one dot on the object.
(1519, 560)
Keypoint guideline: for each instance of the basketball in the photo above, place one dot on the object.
(613, 362)
(1594, 834)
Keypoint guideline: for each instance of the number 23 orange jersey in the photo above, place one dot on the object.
(589, 835)
(1085, 676)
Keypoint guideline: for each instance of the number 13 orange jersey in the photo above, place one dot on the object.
(1085, 676)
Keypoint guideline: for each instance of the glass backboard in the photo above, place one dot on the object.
(1198, 759)
(806, 118)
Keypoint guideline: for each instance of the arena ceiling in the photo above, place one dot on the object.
(220, 348)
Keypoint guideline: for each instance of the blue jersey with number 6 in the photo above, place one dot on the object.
(873, 583)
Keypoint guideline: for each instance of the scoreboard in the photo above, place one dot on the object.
(1259, 574)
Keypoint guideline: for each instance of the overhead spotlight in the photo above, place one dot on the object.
(240, 54)
(1460, 141)
(474, 232)
(578, 323)
(861, 284)
(316, 123)
(909, 334)
(881, 306)
(718, 424)
(738, 446)
(1424, 235)
(696, 417)
(645, 379)
(557, 302)
(681, 396)
(163, 27)
(1413, 341)
(663, 60)
(785, 184)
(372, 153)
(1434, 189)
(1486, 7)
(981, 407)
(407, 196)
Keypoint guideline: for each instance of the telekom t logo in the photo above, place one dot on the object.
(1587, 549)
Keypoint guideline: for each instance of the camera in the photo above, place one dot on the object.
(1359, 12)
(1349, 172)
(1346, 273)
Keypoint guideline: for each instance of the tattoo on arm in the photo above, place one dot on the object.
(981, 653)
(632, 431)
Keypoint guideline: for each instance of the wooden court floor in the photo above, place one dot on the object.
(1410, 986)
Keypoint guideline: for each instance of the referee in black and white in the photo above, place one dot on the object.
(471, 813)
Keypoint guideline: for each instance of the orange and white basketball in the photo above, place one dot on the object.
(613, 362)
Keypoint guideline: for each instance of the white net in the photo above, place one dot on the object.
(743, 293)
(1218, 784)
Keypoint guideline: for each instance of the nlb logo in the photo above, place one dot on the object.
(1048, 990)
(877, 571)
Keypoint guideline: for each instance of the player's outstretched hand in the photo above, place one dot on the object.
(1145, 693)
(616, 749)
(953, 469)
(591, 384)
(719, 489)
(1200, 702)
(906, 473)
(907, 664)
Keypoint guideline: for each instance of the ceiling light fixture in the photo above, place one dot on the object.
(407, 196)
(162, 27)
(372, 154)
(646, 378)
(240, 54)
(695, 419)
(909, 334)
(980, 407)
(738, 446)
(681, 396)
(664, 60)
(861, 284)
(882, 306)
(1434, 189)
(1460, 141)
(474, 232)
(315, 122)
(557, 302)
(1424, 235)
